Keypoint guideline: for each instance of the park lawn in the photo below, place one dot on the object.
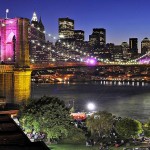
(80, 147)
(77, 147)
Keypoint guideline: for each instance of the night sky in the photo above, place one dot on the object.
(121, 18)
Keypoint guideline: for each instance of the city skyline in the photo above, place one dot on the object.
(122, 20)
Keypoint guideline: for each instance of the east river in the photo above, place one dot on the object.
(121, 99)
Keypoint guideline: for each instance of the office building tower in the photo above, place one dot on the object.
(66, 29)
(145, 46)
(125, 50)
(117, 53)
(98, 38)
(133, 47)
(79, 35)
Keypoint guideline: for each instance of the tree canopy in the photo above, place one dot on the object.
(48, 115)
(100, 123)
(127, 127)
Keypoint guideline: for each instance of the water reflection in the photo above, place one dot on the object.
(15, 86)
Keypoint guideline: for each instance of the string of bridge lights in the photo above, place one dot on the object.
(84, 53)
(81, 52)
(63, 44)
(59, 53)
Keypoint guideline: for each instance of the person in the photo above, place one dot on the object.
(101, 146)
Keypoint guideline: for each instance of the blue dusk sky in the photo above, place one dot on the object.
(122, 19)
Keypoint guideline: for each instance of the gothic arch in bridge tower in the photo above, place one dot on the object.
(9, 47)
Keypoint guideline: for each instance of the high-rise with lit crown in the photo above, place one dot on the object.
(38, 54)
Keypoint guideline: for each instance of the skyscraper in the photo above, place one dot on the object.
(79, 35)
(125, 50)
(38, 53)
(66, 28)
(145, 46)
(133, 47)
(98, 37)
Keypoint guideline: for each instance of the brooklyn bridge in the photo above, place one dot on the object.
(16, 61)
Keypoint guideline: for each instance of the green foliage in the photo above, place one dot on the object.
(47, 114)
(75, 136)
(100, 123)
(127, 127)
(146, 128)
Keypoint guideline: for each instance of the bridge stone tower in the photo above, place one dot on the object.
(14, 45)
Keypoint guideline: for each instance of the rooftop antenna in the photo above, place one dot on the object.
(7, 11)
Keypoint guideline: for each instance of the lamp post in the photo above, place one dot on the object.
(7, 11)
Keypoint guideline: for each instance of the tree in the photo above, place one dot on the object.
(48, 115)
(128, 127)
(76, 135)
(100, 123)
(146, 128)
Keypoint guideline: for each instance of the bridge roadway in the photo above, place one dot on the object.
(62, 65)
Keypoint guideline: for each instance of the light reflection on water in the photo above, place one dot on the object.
(122, 99)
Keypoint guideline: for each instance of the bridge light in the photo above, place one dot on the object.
(9, 59)
(38, 28)
(49, 34)
(54, 37)
(44, 31)
(10, 22)
(3, 24)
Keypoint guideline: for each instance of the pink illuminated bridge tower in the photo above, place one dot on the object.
(14, 46)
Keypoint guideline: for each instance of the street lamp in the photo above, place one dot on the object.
(91, 106)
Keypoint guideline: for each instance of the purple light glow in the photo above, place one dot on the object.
(91, 61)
(145, 59)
